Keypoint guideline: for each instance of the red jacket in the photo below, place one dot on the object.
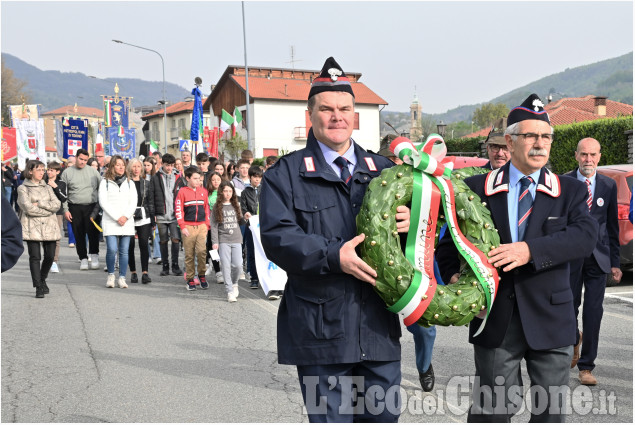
(191, 207)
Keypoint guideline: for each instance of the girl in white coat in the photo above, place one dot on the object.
(118, 200)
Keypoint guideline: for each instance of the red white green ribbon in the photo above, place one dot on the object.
(431, 189)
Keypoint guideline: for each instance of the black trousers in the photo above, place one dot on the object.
(40, 271)
(82, 226)
(143, 232)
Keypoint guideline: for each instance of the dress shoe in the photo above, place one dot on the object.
(45, 289)
(427, 379)
(576, 353)
(587, 378)
(39, 292)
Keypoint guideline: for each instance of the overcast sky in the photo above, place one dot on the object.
(454, 53)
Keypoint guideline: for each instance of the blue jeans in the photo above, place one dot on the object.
(116, 244)
(71, 235)
(7, 193)
(424, 343)
(156, 250)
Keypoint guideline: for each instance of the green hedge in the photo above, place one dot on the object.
(471, 144)
(609, 132)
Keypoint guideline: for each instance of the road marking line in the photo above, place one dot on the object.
(619, 316)
(628, 300)
(619, 293)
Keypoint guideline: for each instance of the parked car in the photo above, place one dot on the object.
(623, 176)
(466, 161)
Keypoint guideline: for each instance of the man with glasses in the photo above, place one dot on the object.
(543, 224)
(496, 146)
(99, 156)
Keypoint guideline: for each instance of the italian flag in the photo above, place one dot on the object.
(108, 112)
(226, 121)
(238, 118)
(153, 147)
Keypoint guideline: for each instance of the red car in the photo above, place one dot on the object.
(623, 176)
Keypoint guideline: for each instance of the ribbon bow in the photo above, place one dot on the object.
(431, 187)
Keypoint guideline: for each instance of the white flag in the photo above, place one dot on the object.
(271, 277)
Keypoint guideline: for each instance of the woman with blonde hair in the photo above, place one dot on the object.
(118, 200)
(143, 220)
(38, 206)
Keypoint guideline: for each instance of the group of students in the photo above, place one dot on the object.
(200, 208)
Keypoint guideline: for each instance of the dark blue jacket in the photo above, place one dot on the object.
(560, 230)
(306, 214)
(11, 236)
(607, 248)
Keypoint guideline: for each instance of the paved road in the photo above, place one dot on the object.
(158, 353)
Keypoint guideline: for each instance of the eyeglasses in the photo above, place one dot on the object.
(533, 137)
(496, 148)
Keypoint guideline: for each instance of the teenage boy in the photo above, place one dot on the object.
(162, 195)
(192, 214)
(241, 181)
(202, 162)
(249, 203)
(59, 188)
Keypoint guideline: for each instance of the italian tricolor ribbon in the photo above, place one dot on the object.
(431, 189)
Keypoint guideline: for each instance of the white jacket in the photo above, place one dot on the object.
(117, 201)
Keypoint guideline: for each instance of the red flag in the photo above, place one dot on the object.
(9, 148)
(214, 141)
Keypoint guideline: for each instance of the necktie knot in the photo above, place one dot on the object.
(342, 162)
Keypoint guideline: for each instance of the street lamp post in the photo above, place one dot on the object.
(165, 113)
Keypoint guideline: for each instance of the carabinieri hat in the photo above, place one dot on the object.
(531, 109)
(331, 78)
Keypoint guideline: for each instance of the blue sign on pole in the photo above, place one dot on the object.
(184, 145)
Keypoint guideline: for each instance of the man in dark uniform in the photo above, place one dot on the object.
(605, 259)
(331, 323)
(543, 224)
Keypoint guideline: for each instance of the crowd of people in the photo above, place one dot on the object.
(150, 202)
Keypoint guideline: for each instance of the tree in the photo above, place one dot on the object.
(488, 113)
(13, 93)
(234, 146)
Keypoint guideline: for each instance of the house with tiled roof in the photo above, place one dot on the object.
(179, 121)
(570, 110)
(93, 115)
(278, 116)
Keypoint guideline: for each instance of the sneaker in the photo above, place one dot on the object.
(84, 264)
(71, 245)
(235, 291)
(242, 275)
(191, 286)
(273, 295)
(122, 282)
(197, 282)
(54, 268)
(231, 297)
(254, 284)
(145, 278)
(158, 260)
(134, 278)
(176, 271)
(95, 263)
(165, 272)
(209, 269)
(204, 284)
(219, 278)
(110, 282)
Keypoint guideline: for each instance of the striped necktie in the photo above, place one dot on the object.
(525, 205)
(343, 164)
(589, 200)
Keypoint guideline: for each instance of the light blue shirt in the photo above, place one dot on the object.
(330, 156)
(591, 179)
(514, 193)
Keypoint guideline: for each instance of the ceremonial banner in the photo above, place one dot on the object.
(75, 136)
(116, 111)
(99, 142)
(196, 130)
(9, 148)
(23, 112)
(30, 141)
(59, 138)
(271, 277)
(118, 145)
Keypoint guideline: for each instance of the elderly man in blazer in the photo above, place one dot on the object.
(543, 223)
(591, 271)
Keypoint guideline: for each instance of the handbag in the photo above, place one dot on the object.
(139, 213)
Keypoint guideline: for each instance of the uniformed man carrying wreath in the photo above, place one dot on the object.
(331, 323)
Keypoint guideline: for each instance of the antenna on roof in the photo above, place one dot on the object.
(293, 60)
